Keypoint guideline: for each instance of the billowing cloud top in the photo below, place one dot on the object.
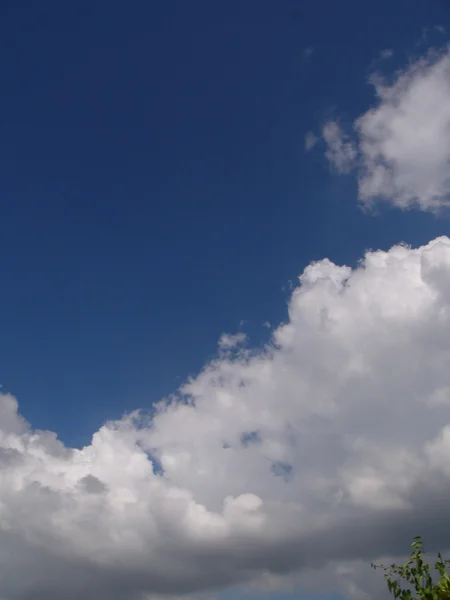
(330, 446)
(400, 148)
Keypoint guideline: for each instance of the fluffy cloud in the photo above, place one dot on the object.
(401, 146)
(312, 457)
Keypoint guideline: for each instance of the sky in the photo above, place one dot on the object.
(224, 296)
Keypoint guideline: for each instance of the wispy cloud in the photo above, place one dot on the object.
(387, 53)
(311, 140)
(228, 341)
(341, 151)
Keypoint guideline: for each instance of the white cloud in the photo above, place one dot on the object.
(341, 151)
(228, 341)
(403, 142)
(313, 457)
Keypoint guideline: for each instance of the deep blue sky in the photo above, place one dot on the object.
(154, 185)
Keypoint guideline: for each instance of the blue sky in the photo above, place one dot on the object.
(155, 187)
(156, 190)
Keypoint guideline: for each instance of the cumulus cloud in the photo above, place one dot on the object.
(400, 148)
(306, 460)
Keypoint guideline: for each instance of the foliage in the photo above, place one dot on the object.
(418, 574)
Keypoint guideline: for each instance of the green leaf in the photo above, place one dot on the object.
(417, 573)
